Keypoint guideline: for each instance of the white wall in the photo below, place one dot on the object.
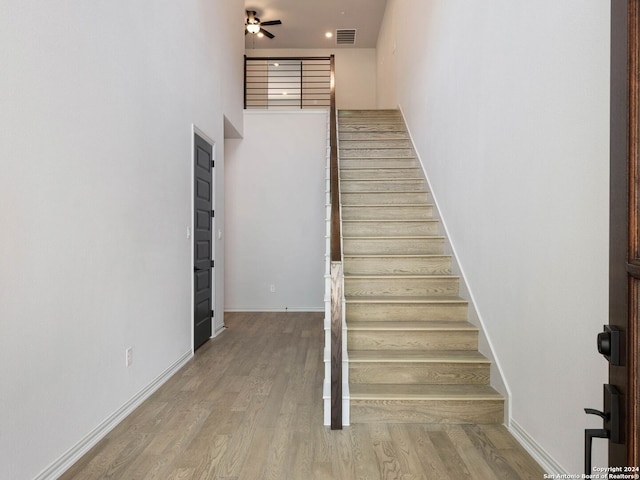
(508, 104)
(355, 72)
(275, 200)
(98, 100)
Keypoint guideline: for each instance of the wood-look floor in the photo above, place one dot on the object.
(249, 407)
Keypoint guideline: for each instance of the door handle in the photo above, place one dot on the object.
(198, 269)
(589, 435)
(611, 423)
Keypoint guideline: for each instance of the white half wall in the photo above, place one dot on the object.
(355, 72)
(275, 209)
(508, 103)
(98, 102)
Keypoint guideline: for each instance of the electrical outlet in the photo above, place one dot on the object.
(129, 356)
(272, 288)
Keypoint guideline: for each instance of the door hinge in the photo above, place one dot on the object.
(213, 263)
(212, 313)
(213, 163)
(213, 213)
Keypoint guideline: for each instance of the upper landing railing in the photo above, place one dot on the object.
(287, 82)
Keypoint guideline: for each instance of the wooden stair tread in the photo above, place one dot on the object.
(400, 237)
(378, 147)
(378, 169)
(374, 159)
(386, 205)
(410, 255)
(413, 220)
(424, 392)
(415, 179)
(368, 276)
(359, 325)
(386, 193)
(419, 356)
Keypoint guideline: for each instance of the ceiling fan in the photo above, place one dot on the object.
(254, 25)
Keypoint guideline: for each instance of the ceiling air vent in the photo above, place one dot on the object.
(346, 36)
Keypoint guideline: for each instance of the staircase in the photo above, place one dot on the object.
(413, 356)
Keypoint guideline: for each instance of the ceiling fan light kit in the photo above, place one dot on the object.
(254, 25)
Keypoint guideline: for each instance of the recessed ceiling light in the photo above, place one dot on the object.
(328, 34)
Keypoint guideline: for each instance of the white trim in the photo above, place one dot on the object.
(63, 463)
(218, 331)
(274, 309)
(539, 454)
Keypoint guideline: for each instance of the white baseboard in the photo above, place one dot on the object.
(218, 330)
(71, 456)
(271, 309)
(539, 454)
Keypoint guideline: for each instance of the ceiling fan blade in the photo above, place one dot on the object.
(272, 22)
(246, 31)
(267, 34)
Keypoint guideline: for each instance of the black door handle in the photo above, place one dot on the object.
(612, 426)
(589, 435)
(198, 269)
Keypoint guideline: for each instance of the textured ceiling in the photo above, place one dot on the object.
(305, 22)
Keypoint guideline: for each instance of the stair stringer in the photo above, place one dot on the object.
(485, 346)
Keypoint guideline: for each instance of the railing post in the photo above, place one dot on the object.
(245, 82)
(336, 345)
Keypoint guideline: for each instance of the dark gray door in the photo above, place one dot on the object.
(202, 244)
